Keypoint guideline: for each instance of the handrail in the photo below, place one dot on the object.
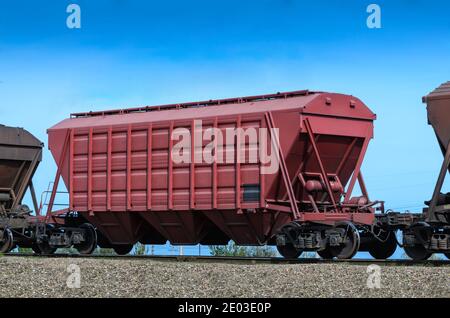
(236, 100)
(44, 198)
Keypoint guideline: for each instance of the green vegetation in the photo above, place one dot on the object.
(139, 249)
(227, 250)
(242, 251)
(104, 251)
(23, 250)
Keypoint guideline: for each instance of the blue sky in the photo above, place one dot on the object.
(131, 53)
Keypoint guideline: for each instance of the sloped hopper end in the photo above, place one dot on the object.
(438, 109)
(20, 154)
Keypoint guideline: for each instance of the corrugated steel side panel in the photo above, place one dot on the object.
(130, 169)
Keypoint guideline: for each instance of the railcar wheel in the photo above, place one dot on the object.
(447, 254)
(35, 249)
(123, 249)
(90, 244)
(351, 242)
(325, 254)
(6, 241)
(422, 232)
(289, 251)
(417, 252)
(384, 250)
(291, 232)
(43, 248)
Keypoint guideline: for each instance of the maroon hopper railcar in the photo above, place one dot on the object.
(119, 169)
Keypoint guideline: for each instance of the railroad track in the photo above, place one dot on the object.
(244, 260)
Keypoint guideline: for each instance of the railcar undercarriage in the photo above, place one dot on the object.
(21, 229)
(419, 239)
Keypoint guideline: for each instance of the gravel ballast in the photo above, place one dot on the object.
(42, 277)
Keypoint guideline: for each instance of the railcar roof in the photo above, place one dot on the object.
(442, 92)
(194, 110)
(17, 136)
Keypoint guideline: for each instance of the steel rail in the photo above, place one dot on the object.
(244, 260)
